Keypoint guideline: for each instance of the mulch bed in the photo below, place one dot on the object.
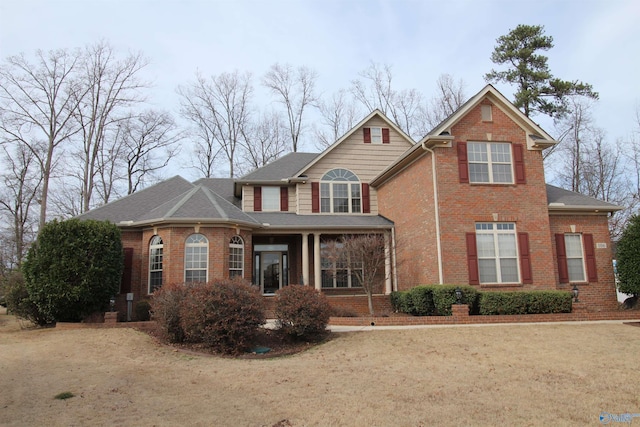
(279, 345)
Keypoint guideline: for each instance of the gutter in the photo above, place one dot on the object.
(437, 210)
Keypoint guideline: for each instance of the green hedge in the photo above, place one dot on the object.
(433, 300)
(525, 302)
(436, 300)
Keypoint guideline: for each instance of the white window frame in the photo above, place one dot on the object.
(271, 199)
(492, 161)
(236, 257)
(573, 256)
(329, 185)
(156, 259)
(376, 135)
(497, 230)
(194, 256)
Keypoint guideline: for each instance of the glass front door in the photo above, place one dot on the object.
(271, 272)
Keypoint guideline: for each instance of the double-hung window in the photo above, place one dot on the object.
(490, 162)
(236, 257)
(340, 192)
(497, 252)
(575, 257)
(156, 248)
(196, 258)
(270, 199)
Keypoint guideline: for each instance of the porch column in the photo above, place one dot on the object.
(305, 259)
(388, 287)
(317, 273)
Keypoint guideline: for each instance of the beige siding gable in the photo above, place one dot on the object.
(364, 160)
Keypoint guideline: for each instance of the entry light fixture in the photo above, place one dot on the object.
(574, 292)
(458, 295)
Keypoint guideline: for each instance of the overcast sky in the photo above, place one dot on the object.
(596, 41)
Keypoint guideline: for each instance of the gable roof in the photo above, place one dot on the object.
(374, 113)
(562, 201)
(535, 131)
(441, 134)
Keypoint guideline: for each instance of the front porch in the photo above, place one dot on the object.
(297, 258)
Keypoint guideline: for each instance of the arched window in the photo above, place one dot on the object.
(155, 263)
(196, 255)
(340, 192)
(236, 257)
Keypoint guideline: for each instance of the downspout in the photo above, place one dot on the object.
(437, 212)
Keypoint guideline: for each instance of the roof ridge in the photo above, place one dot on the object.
(211, 196)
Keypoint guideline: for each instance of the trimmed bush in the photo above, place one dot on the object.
(223, 315)
(73, 269)
(165, 310)
(143, 311)
(435, 300)
(525, 302)
(302, 312)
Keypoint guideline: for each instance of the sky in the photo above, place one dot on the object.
(596, 41)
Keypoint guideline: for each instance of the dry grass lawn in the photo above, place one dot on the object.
(552, 374)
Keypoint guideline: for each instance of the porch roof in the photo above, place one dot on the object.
(310, 223)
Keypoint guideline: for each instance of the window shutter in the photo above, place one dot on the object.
(518, 162)
(367, 135)
(315, 197)
(472, 259)
(561, 253)
(385, 136)
(525, 258)
(257, 199)
(125, 282)
(463, 167)
(590, 257)
(284, 199)
(366, 201)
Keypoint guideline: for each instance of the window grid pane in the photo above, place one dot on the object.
(270, 198)
(497, 252)
(575, 258)
(490, 162)
(155, 263)
(195, 258)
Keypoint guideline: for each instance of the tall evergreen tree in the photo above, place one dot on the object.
(538, 90)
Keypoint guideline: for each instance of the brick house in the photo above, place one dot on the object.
(468, 204)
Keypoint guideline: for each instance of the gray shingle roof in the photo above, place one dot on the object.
(133, 206)
(291, 220)
(561, 199)
(284, 167)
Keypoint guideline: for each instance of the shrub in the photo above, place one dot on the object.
(224, 315)
(143, 311)
(628, 258)
(525, 302)
(302, 312)
(73, 269)
(18, 302)
(422, 301)
(165, 309)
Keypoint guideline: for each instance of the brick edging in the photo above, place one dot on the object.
(471, 320)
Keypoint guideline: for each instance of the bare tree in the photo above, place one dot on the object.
(374, 90)
(449, 96)
(38, 102)
(150, 141)
(219, 111)
(365, 255)
(21, 181)
(578, 133)
(339, 114)
(294, 88)
(113, 86)
(267, 141)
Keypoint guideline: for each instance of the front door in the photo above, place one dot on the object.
(271, 272)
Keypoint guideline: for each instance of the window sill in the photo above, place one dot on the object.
(501, 285)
